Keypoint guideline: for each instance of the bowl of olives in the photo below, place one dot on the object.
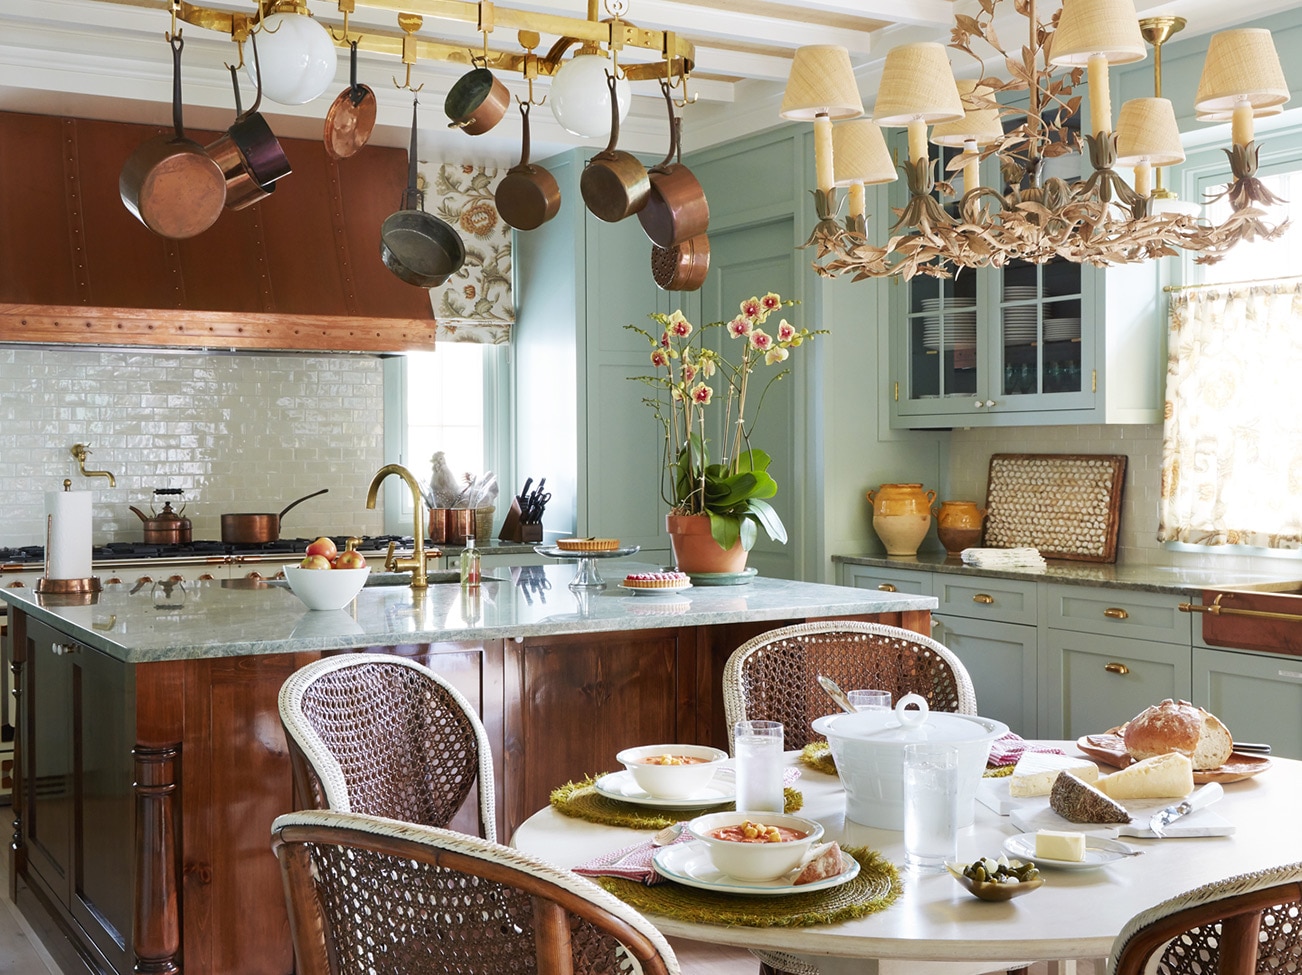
(997, 880)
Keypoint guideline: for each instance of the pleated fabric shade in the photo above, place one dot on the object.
(859, 154)
(1090, 27)
(917, 85)
(1147, 132)
(821, 82)
(1241, 64)
(981, 125)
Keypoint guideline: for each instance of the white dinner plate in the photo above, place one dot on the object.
(1098, 851)
(655, 590)
(622, 786)
(689, 864)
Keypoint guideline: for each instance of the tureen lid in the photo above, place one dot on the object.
(911, 720)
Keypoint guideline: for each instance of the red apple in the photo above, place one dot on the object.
(350, 560)
(324, 547)
(315, 562)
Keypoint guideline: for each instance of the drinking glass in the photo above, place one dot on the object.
(930, 804)
(758, 748)
(865, 700)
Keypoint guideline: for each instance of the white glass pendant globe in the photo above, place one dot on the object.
(580, 96)
(297, 58)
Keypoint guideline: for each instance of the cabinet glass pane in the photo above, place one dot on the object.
(1040, 318)
(943, 357)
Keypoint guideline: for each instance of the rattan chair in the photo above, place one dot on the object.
(385, 736)
(1247, 924)
(774, 676)
(370, 896)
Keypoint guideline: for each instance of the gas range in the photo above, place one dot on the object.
(115, 554)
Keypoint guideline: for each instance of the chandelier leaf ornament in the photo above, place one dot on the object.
(1100, 218)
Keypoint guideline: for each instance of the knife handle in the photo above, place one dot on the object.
(1205, 796)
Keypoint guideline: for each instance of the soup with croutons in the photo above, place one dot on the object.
(674, 760)
(748, 832)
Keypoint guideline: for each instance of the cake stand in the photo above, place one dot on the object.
(587, 576)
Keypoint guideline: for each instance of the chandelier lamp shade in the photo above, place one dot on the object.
(860, 158)
(580, 96)
(1023, 120)
(298, 57)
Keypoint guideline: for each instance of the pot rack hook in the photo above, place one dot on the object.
(410, 23)
(529, 40)
(681, 83)
(346, 7)
(176, 10)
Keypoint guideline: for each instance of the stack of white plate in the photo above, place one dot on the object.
(1020, 320)
(1060, 329)
(959, 322)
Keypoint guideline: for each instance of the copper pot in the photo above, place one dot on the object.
(528, 196)
(614, 183)
(476, 102)
(170, 183)
(682, 267)
(676, 209)
(351, 117)
(254, 529)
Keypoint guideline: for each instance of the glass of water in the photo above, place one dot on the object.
(866, 700)
(758, 748)
(930, 804)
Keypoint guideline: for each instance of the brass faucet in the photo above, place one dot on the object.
(416, 564)
(81, 451)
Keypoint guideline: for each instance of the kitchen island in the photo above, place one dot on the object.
(151, 760)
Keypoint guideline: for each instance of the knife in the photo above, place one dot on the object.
(1198, 800)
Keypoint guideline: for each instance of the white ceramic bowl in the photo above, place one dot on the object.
(326, 588)
(755, 861)
(672, 781)
(868, 748)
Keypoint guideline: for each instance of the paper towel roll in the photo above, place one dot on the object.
(67, 552)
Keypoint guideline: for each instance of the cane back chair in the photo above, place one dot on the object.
(386, 736)
(370, 896)
(1245, 925)
(774, 676)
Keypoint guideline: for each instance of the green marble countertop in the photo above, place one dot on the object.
(1178, 580)
(238, 617)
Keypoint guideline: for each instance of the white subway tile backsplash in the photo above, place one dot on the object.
(237, 432)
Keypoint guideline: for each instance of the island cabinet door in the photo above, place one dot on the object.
(574, 701)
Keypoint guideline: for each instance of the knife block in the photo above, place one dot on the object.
(513, 530)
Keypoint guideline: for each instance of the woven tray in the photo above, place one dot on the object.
(1066, 505)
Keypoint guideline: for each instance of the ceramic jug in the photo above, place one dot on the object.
(958, 525)
(901, 516)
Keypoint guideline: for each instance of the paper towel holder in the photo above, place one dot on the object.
(84, 588)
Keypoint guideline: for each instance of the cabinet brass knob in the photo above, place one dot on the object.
(1116, 668)
(1116, 613)
(887, 587)
(983, 598)
(59, 649)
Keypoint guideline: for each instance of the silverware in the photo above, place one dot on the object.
(667, 835)
(1252, 746)
(1198, 800)
(836, 694)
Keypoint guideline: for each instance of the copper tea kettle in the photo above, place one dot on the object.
(166, 527)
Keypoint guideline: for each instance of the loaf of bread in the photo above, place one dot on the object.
(1178, 726)
(1079, 802)
(1168, 776)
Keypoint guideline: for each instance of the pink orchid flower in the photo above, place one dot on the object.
(679, 325)
(689, 372)
(771, 301)
(751, 308)
(739, 327)
(702, 394)
(761, 340)
(775, 354)
(659, 358)
(786, 331)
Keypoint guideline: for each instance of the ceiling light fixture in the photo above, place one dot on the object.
(580, 97)
(298, 55)
(1098, 219)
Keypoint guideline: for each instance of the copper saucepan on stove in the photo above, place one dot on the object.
(254, 529)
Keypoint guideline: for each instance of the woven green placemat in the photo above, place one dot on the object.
(581, 800)
(818, 755)
(874, 889)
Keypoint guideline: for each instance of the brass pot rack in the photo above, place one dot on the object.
(677, 55)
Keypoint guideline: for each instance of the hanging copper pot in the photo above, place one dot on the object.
(614, 184)
(351, 117)
(528, 196)
(476, 102)
(682, 267)
(676, 209)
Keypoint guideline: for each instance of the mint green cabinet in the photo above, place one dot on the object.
(1257, 695)
(1001, 660)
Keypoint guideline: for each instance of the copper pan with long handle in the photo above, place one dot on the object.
(256, 528)
(528, 195)
(614, 183)
(676, 209)
(351, 117)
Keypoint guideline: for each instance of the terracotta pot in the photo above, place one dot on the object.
(901, 516)
(695, 549)
(958, 525)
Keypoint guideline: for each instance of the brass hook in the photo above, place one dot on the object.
(410, 23)
(346, 7)
(176, 9)
(239, 46)
(529, 40)
(682, 80)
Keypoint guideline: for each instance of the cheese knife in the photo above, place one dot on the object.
(1199, 799)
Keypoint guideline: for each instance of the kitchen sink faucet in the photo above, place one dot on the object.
(416, 564)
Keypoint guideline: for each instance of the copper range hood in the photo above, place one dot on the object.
(1265, 616)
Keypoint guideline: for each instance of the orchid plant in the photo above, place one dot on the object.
(733, 490)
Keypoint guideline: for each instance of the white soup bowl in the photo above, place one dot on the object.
(326, 588)
(672, 781)
(755, 861)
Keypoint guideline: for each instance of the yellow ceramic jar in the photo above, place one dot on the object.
(958, 525)
(901, 516)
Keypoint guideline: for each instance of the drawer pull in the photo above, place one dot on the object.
(887, 587)
(59, 649)
(1116, 668)
(983, 599)
(1116, 613)
(1290, 675)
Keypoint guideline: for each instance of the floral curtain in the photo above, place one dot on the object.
(1232, 441)
(475, 304)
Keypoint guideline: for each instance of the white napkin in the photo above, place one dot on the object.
(1003, 558)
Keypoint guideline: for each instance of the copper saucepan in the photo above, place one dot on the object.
(682, 267)
(476, 102)
(676, 209)
(614, 184)
(254, 529)
(170, 183)
(528, 195)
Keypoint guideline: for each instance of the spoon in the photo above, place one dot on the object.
(667, 835)
(836, 694)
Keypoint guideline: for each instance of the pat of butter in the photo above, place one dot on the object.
(1052, 844)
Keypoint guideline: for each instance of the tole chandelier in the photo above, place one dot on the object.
(1098, 219)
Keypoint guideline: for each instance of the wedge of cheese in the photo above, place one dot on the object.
(1035, 772)
(1168, 776)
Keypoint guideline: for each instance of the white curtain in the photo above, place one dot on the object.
(1232, 441)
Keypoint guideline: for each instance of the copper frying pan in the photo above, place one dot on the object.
(253, 529)
(351, 117)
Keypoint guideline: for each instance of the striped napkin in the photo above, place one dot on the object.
(995, 558)
(1007, 749)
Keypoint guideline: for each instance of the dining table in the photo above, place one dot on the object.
(1075, 914)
